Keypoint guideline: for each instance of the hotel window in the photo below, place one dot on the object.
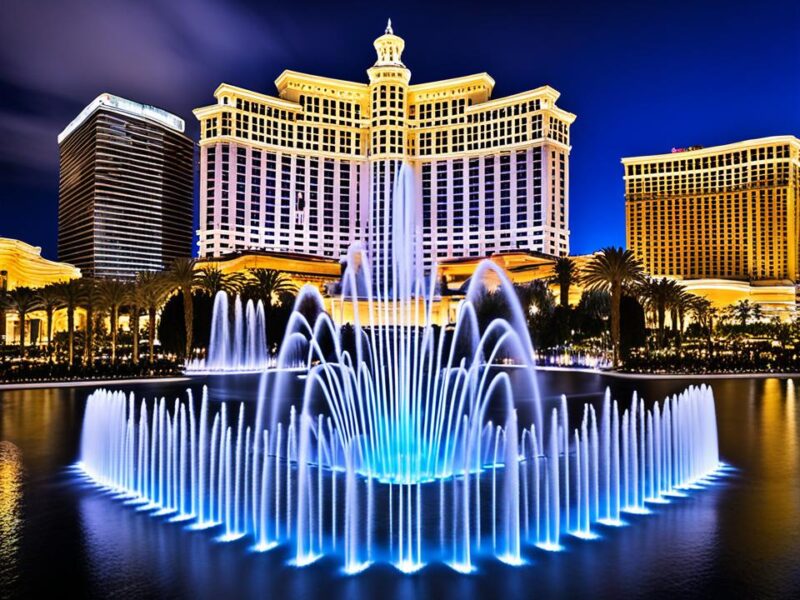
(522, 189)
(505, 191)
(488, 187)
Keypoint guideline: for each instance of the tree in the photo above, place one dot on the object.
(700, 309)
(659, 296)
(491, 305)
(89, 303)
(742, 311)
(276, 324)
(592, 312)
(681, 305)
(154, 291)
(112, 294)
(213, 280)
(170, 328)
(134, 301)
(566, 275)
(22, 300)
(544, 323)
(757, 313)
(613, 269)
(703, 313)
(267, 285)
(632, 330)
(183, 277)
(50, 301)
(535, 297)
(71, 294)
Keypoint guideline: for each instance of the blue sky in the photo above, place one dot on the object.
(642, 77)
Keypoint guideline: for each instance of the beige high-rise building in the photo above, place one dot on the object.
(312, 170)
(724, 213)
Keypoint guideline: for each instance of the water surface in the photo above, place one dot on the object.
(741, 538)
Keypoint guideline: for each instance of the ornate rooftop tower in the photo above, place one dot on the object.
(389, 48)
(388, 88)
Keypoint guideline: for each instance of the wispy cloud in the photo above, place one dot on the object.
(170, 53)
(31, 141)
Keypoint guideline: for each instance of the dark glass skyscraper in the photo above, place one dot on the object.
(125, 190)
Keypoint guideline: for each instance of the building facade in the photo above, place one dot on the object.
(312, 171)
(125, 189)
(722, 215)
(725, 212)
(22, 265)
(299, 269)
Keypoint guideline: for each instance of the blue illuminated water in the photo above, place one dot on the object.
(410, 444)
(738, 538)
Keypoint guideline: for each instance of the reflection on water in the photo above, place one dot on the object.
(740, 538)
(10, 509)
(779, 498)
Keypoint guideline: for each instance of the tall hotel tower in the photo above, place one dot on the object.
(726, 212)
(125, 195)
(725, 220)
(312, 171)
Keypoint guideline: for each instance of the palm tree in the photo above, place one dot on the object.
(22, 300)
(154, 291)
(89, 303)
(654, 296)
(613, 269)
(681, 306)
(112, 295)
(50, 301)
(566, 274)
(268, 285)
(742, 311)
(71, 294)
(134, 301)
(183, 277)
(700, 308)
(703, 313)
(213, 280)
(757, 314)
(662, 295)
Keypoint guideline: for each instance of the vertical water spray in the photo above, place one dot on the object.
(405, 446)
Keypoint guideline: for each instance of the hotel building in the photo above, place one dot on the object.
(719, 217)
(22, 265)
(312, 170)
(125, 189)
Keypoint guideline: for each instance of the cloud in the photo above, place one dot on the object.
(56, 56)
(160, 47)
(32, 142)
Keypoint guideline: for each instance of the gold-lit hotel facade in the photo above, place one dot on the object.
(311, 171)
(725, 219)
(22, 265)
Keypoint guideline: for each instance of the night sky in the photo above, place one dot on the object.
(641, 76)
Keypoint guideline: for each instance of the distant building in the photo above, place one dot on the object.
(312, 170)
(718, 217)
(125, 189)
(22, 265)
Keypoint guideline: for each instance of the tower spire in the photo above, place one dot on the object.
(389, 48)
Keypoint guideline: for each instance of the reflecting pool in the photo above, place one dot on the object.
(740, 536)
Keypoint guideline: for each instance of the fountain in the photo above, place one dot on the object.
(399, 441)
(237, 345)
